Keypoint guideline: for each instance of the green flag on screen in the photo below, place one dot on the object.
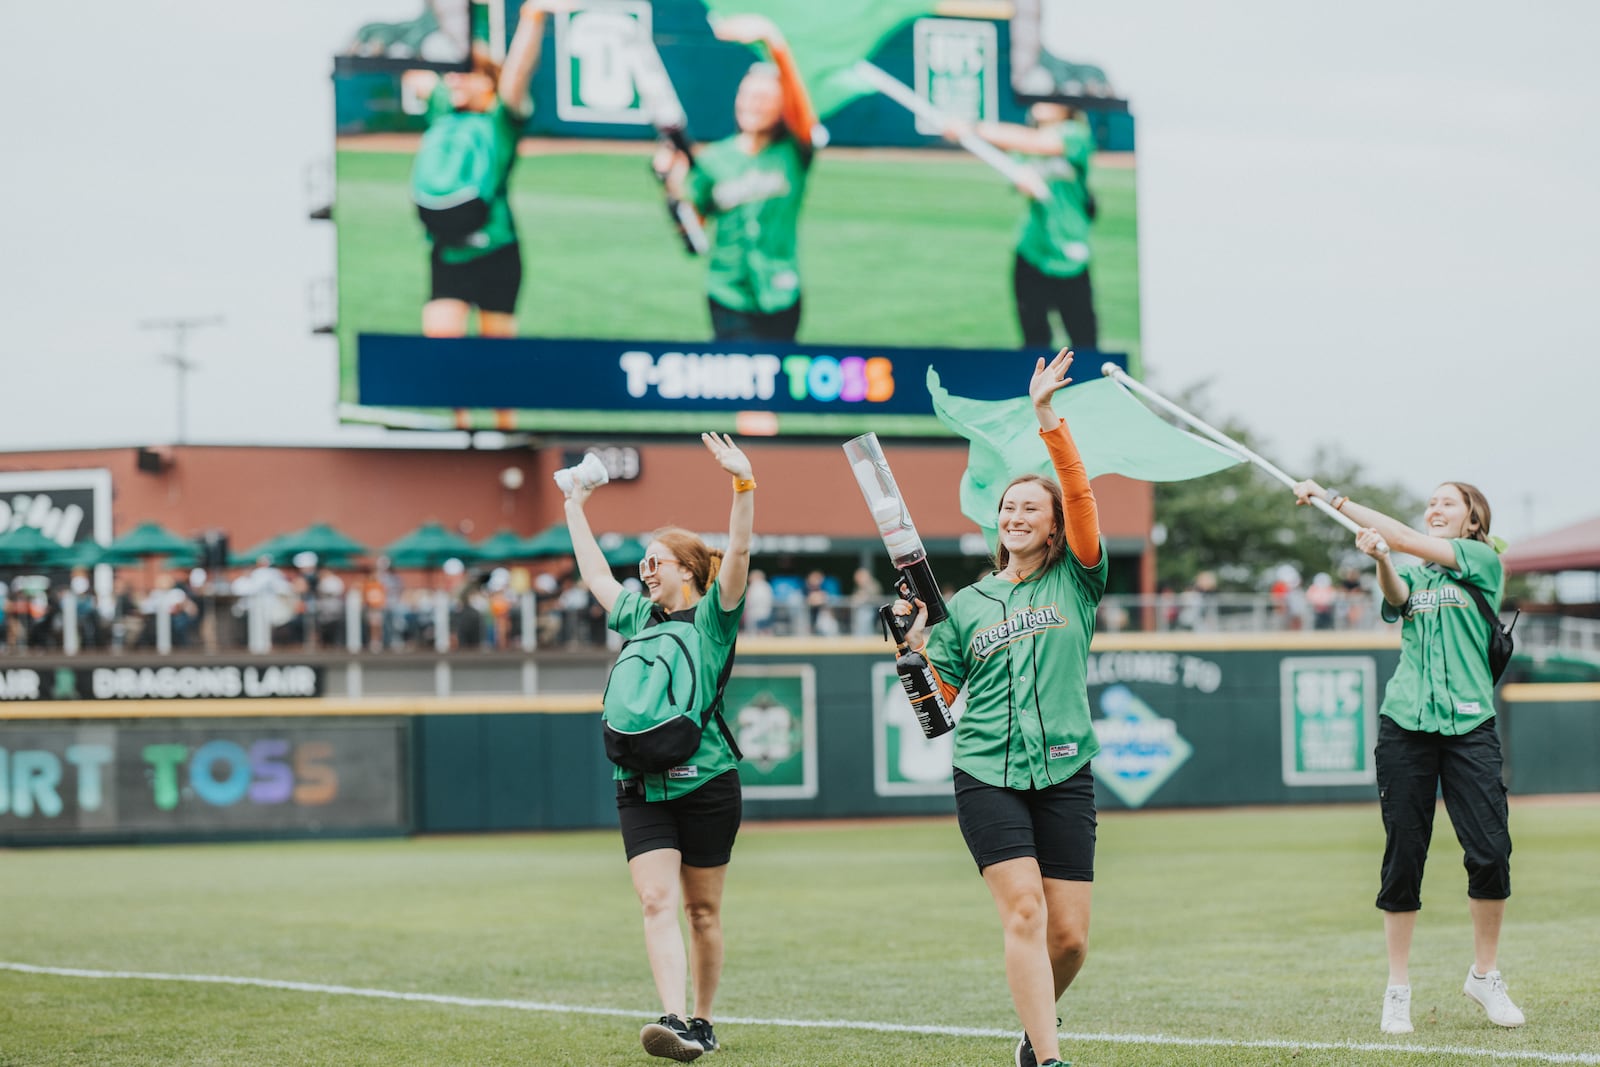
(829, 39)
(1114, 433)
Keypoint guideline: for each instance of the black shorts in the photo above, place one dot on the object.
(701, 824)
(730, 325)
(1055, 825)
(489, 283)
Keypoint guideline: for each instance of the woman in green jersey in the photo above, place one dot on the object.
(1051, 272)
(752, 184)
(460, 180)
(1437, 732)
(1018, 643)
(678, 827)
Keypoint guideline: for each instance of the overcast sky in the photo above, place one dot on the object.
(1368, 223)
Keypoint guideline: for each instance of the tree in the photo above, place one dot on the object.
(1243, 524)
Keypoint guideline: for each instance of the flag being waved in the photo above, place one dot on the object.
(1114, 433)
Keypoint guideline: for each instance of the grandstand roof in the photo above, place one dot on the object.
(1571, 548)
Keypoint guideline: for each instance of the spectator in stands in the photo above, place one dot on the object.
(758, 604)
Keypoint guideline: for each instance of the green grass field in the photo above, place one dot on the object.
(1222, 937)
(893, 252)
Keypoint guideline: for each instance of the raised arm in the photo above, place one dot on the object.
(1401, 538)
(1010, 137)
(592, 565)
(735, 571)
(1077, 498)
(799, 114)
(522, 54)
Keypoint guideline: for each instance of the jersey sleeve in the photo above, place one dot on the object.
(1387, 611)
(700, 185)
(630, 614)
(718, 628)
(1077, 145)
(1479, 564)
(439, 102)
(945, 651)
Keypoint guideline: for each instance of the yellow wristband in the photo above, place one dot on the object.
(743, 485)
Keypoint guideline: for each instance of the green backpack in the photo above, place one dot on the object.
(453, 177)
(655, 709)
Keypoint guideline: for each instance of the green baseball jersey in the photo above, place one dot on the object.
(718, 630)
(1020, 649)
(505, 128)
(755, 200)
(1055, 234)
(1443, 684)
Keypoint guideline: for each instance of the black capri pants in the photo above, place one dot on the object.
(1413, 768)
(1055, 825)
(701, 825)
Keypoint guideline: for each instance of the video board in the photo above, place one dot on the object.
(901, 248)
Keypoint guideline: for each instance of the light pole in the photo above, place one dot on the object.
(179, 359)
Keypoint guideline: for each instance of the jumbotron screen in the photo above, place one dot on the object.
(762, 217)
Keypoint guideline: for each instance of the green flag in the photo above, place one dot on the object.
(829, 38)
(1114, 433)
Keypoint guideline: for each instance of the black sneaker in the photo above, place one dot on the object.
(670, 1039)
(1025, 1056)
(700, 1030)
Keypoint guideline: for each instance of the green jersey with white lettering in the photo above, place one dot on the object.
(1021, 650)
(1443, 684)
(755, 200)
(1055, 235)
(503, 129)
(718, 631)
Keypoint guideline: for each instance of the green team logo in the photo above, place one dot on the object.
(904, 762)
(1139, 750)
(957, 69)
(597, 62)
(1330, 720)
(772, 712)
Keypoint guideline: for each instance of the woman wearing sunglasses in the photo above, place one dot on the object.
(678, 827)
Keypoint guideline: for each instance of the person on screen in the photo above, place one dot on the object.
(460, 180)
(1437, 732)
(678, 826)
(1051, 270)
(752, 185)
(1017, 641)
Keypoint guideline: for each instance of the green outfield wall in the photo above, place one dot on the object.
(1183, 720)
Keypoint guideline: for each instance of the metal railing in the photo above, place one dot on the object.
(434, 620)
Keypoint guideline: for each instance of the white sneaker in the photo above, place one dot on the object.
(1397, 1010)
(1490, 991)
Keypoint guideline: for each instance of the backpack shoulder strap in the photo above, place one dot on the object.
(714, 708)
(1482, 601)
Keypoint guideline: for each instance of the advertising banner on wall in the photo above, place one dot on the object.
(227, 681)
(193, 777)
(772, 711)
(1330, 720)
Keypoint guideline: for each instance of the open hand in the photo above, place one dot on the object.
(729, 455)
(1050, 377)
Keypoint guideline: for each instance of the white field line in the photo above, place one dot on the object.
(829, 1024)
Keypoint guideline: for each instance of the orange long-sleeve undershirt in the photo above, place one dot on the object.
(1083, 516)
(798, 113)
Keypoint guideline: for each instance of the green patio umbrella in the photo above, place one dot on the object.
(502, 546)
(268, 548)
(27, 547)
(328, 544)
(429, 545)
(148, 540)
(85, 554)
(551, 541)
(622, 551)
